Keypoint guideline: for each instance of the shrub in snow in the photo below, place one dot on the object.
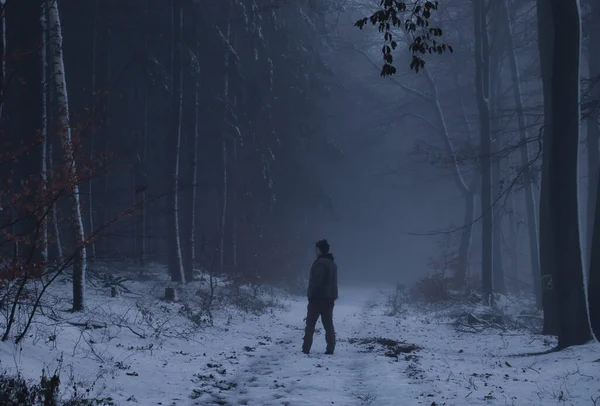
(395, 300)
(15, 391)
(432, 288)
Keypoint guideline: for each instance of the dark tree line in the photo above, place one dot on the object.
(193, 126)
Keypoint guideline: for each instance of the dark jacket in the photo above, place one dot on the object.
(322, 284)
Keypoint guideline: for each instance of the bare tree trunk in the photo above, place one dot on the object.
(44, 67)
(512, 245)
(234, 186)
(176, 258)
(469, 217)
(593, 293)
(482, 91)
(3, 55)
(498, 265)
(234, 198)
(593, 128)
(224, 212)
(144, 227)
(546, 241)
(494, 102)
(524, 150)
(195, 170)
(79, 266)
(224, 148)
(574, 326)
(465, 238)
(468, 191)
(59, 251)
(93, 130)
(144, 230)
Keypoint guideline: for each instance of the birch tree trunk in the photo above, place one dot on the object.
(59, 251)
(528, 179)
(482, 93)
(79, 266)
(467, 190)
(175, 256)
(573, 324)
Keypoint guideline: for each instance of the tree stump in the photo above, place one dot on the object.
(114, 291)
(170, 294)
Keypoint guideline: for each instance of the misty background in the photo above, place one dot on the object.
(227, 137)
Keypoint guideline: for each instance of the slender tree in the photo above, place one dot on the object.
(528, 179)
(175, 256)
(224, 148)
(482, 78)
(44, 130)
(60, 81)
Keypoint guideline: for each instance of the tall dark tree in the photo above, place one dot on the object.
(573, 325)
(593, 161)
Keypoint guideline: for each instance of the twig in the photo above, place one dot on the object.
(87, 325)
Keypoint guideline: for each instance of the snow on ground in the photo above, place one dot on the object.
(140, 350)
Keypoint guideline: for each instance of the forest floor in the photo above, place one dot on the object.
(139, 349)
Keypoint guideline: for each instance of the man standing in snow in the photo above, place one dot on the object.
(322, 293)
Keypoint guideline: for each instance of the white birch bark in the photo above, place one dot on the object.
(59, 251)
(79, 267)
(177, 49)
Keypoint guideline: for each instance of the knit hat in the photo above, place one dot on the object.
(323, 246)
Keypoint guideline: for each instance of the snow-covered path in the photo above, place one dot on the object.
(450, 368)
(275, 372)
(416, 358)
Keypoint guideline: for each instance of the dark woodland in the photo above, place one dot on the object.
(448, 150)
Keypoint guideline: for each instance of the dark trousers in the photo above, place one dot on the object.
(316, 309)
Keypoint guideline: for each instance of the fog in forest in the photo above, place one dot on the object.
(190, 185)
